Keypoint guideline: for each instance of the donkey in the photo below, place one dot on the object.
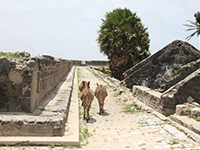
(87, 96)
(101, 93)
(81, 85)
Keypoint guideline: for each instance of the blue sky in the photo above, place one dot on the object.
(68, 28)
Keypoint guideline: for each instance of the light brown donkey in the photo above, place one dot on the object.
(101, 93)
(87, 96)
(81, 87)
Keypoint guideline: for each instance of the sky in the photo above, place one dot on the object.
(69, 28)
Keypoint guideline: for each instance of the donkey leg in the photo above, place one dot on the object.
(84, 113)
(102, 108)
(99, 108)
(88, 114)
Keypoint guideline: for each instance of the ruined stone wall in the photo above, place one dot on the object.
(158, 69)
(50, 72)
(183, 72)
(15, 84)
(180, 92)
(186, 90)
(25, 83)
(90, 63)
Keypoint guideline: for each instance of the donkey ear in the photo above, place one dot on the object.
(83, 83)
(88, 83)
(97, 84)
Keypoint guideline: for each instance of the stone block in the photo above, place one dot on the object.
(195, 111)
(15, 76)
(179, 109)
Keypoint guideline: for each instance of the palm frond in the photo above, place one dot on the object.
(191, 35)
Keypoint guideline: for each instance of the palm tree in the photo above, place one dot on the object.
(194, 26)
(124, 40)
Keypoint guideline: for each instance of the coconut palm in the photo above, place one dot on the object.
(194, 26)
(124, 40)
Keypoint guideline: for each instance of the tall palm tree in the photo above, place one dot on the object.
(123, 38)
(194, 26)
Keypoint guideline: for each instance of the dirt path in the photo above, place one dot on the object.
(118, 130)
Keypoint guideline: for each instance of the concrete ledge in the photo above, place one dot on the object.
(71, 128)
(187, 122)
(153, 99)
(38, 140)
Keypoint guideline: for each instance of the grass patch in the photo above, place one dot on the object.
(175, 71)
(119, 99)
(131, 108)
(197, 118)
(125, 100)
(17, 56)
(116, 94)
(104, 70)
(125, 88)
(189, 114)
(51, 146)
(84, 134)
(173, 142)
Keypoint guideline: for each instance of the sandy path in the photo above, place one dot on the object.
(119, 130)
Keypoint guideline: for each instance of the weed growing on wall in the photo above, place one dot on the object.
(17, 56)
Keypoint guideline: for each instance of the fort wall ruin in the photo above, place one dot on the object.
(25, 83)
(167, 78)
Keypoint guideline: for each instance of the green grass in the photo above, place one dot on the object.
(125, 100)
(84, 134)
(18, 56)
(125, 88)
(131, 108)
(175, 71)
(189, 114)
(173, 142)
(104, 70)
(197, 118)
(51, 146)
(116, 94)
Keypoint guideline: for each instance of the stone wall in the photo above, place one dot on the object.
(49, 119)
(25, 83)
(180, 92)
(183, 72)
(186, 90)
(90, 63)
(158, 69)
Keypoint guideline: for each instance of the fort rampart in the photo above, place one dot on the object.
(25, 83)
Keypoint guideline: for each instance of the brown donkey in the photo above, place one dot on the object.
(87, 96)
(81, 87)
(101, 93)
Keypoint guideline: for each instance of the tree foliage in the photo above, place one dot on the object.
(194, 26)
(124, 40)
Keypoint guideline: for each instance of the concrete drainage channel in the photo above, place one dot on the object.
(47, 124)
